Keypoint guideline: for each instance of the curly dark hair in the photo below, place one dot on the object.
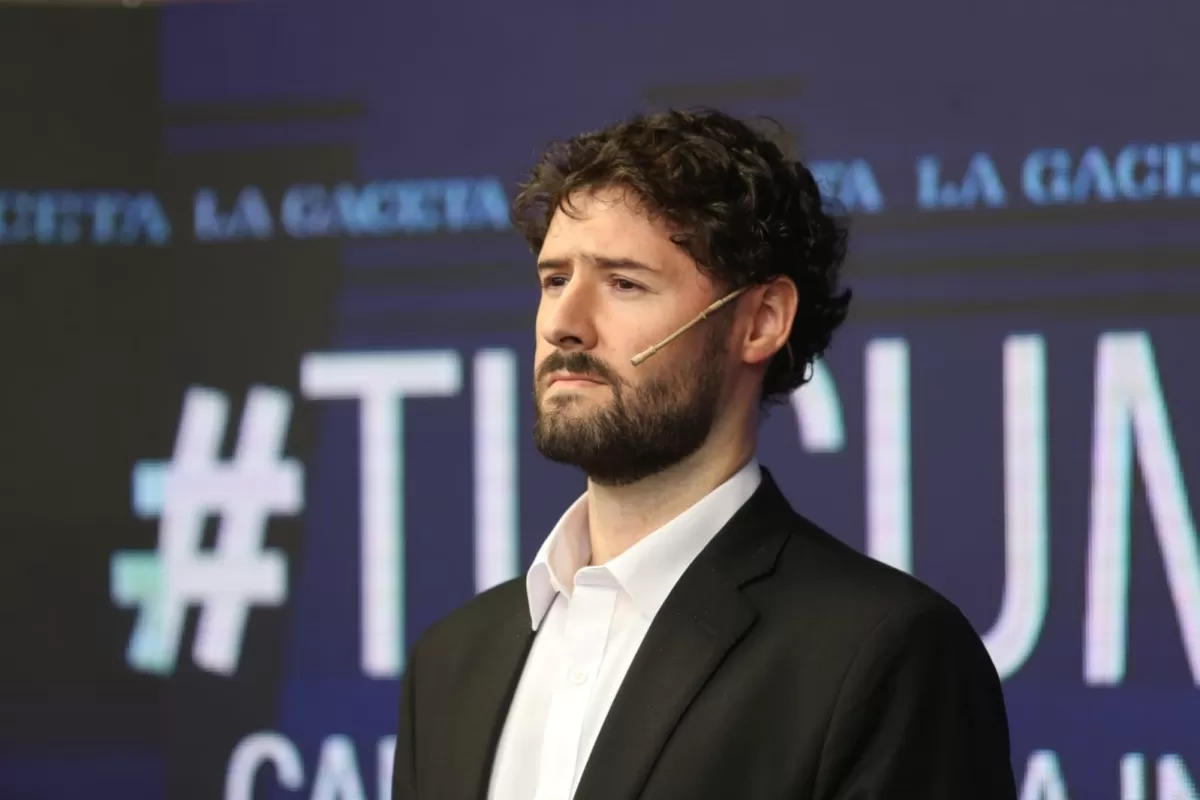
(746, 213)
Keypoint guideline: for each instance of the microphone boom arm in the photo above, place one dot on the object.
(642, 356)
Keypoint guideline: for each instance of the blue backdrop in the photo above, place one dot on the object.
(269, 340)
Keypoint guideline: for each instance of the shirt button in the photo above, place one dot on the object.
(579, 676)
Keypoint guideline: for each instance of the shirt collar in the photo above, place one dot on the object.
(649, 570)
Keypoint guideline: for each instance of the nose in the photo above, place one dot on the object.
(566, 319)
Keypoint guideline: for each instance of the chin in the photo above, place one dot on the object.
(570, 406)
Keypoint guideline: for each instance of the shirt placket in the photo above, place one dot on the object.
(589, 615)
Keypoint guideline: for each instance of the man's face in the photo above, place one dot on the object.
(613, 284)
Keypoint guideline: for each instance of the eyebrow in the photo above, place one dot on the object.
(604, 262)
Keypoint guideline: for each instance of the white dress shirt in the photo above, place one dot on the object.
(590, 623)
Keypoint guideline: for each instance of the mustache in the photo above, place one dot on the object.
(579, 363)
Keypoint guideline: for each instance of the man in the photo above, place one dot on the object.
(683, 633)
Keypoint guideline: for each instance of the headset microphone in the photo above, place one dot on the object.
(642, 356)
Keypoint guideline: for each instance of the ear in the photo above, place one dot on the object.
(773, 312)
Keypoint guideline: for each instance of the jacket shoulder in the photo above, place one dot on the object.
(852, 592)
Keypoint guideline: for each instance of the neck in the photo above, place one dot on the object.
(621, 516)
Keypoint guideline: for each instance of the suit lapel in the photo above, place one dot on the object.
(702, 620)
(482, 704)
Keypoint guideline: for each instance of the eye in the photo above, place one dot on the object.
(625, 285)
(554, 281)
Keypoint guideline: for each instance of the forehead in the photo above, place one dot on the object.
(611, 222)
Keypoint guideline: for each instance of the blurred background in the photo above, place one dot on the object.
(259, 253)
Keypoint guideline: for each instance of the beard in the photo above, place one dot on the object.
(645, 429)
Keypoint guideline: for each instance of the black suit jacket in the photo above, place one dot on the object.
(784, 664)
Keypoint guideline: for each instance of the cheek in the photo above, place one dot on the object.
(632, 336)
(541, 345)
(539, 320)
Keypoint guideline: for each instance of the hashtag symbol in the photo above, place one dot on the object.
(238, 571)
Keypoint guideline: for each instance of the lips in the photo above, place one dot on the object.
(578, 378)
